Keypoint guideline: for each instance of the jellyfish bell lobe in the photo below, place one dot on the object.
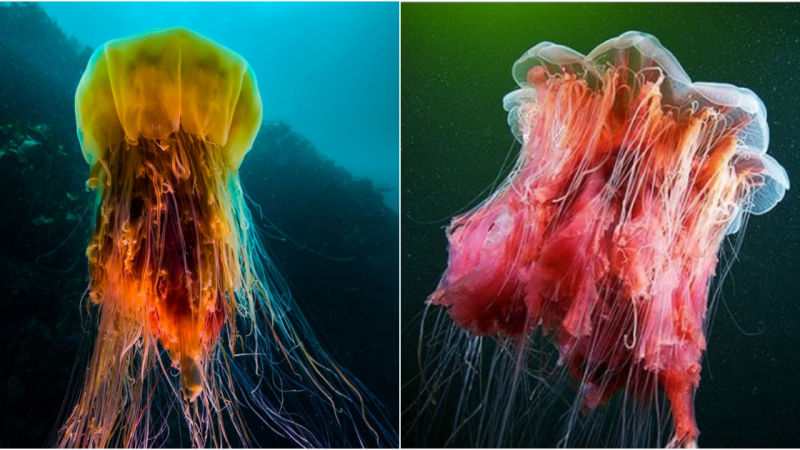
(153, 84)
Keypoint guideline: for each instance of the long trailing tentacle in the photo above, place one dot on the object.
(186, 293)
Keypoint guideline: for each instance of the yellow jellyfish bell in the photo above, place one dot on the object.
(150, 85)
(189, 305)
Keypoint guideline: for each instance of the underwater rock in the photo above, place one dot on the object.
(41, 69)
(28, 143)
(43, 220)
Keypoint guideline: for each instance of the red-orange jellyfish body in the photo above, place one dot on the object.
(606, 233)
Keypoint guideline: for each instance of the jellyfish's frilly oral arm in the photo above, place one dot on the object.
(676, 442)
(191, 378)
(680, 392)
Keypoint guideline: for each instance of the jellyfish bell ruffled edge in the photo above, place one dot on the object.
(642, 53)
(217, 93)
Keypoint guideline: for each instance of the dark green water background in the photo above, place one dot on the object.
(455, 68)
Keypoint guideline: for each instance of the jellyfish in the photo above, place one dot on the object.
(602, 242)
(192, 316)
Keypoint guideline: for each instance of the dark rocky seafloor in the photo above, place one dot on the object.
(353, 303)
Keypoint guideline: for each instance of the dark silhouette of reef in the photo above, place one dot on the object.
(325, 211)
(350, 295)
(41, 69)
